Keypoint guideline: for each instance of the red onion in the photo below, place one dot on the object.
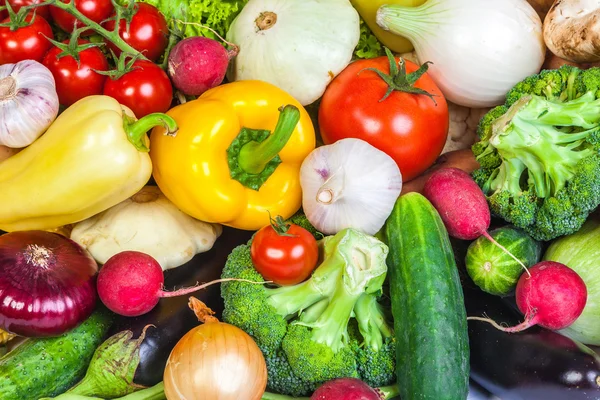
(47, 283)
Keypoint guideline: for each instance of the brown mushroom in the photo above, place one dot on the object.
(572, 30)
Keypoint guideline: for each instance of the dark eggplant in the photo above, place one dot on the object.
(171, 317)
(536, 364)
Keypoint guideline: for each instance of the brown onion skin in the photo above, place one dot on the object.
(215, 361)
(38, 301)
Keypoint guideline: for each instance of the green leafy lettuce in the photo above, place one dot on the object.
(215, 14)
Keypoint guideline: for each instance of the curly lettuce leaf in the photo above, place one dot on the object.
(368, 45)
(214, 14)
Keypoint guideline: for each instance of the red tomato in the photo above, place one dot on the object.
(96, 10)
(285, 260)
(148, 32)
(17, 4)
(3, 13)
(146, 89)
(74, 82)
(26, 43)
(411, 128)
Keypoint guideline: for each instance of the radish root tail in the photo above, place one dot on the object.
(235, 49)
(530, 320)
(193, 289)
(504, 249)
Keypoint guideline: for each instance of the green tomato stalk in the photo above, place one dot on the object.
(113, 36)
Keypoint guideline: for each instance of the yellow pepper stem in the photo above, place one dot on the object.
(255, 156)
(136, 130)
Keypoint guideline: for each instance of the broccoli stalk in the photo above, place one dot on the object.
(318, 344)
(372, 322)
(539, 153)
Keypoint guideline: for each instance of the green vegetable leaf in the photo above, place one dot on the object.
(215, 14)
(368, 45)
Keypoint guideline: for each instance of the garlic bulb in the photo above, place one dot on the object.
(297, 45)
(28, 102)
(147, 222)
(349, 184)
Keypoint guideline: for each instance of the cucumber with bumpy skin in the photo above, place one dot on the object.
(46, 367)
(427, 304)
(493, 270)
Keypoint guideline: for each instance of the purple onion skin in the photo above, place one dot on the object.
(197, 64)
(345, 389)
(47, 283)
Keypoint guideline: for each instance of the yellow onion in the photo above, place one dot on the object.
(215, 361)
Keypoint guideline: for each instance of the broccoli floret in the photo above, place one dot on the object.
(281, 378)
(539, 152)
(305, 337)
(246, 304)
(376, 352)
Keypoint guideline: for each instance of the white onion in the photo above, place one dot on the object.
(479, 48)
(349, 184)
(28, 102)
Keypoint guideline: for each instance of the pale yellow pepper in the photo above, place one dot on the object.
(93, 156)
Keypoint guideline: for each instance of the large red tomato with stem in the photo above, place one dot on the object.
(391, 104)
(96, 10)
(145, 88)
(24, 39)
(284, 253)
(148, 31)
(76, 79)
(16, 5)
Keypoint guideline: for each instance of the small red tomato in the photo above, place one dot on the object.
(285, 257)
(17, 4)
(26, 43)
(96, 10)
(73, 81)
(148, 32)
(145, 89)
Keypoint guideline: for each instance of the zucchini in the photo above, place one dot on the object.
(427, 304)
(47, 367)
(493, 270)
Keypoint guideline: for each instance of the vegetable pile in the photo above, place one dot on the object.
(314, 200)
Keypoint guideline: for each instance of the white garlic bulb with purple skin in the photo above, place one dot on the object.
(349, 184)
(28, 102)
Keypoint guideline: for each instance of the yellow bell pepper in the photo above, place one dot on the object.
(368, 11)
(236, 157)
(93, 156)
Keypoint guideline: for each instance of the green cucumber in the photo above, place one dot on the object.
(493, 270)
(46, 367)
(427, 304)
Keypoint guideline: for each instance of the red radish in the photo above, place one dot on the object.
(130, 283)
(552, 297)
(197, 64)
(462, 205)
(351, 389)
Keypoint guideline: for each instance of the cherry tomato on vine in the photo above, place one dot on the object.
(17, 4)
(148, 32)
(25, 43)
(96, 10)
(76, 81)
(410, 126)
(145, 89)
(284, 253)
